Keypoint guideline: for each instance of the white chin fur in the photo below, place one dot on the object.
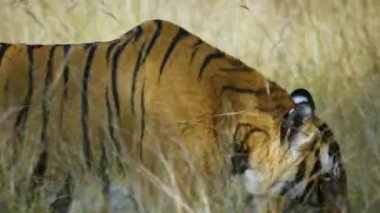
(253, 181)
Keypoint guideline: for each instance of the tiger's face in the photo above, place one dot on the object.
(298, 160)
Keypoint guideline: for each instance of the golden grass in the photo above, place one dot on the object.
(330, 47)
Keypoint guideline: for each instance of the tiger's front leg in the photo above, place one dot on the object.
(180, 159)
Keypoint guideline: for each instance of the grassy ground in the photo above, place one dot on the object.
(330, 47)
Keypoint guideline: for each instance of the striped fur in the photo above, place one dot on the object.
(157, 88)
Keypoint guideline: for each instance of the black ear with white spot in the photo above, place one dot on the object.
(296, 117)
(302, 96)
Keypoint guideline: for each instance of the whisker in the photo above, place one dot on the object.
(220, 115)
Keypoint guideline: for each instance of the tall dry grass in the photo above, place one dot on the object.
(330, 47)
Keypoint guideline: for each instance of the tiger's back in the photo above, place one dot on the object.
(63, 83)
(158, 96)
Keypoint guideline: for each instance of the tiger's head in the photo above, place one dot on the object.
(297, 161)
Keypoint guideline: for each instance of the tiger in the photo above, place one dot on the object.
(166, 100)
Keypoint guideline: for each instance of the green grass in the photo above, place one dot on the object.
(330, 47)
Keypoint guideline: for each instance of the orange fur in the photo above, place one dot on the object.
(156, 93)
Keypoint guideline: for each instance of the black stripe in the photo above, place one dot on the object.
(3, 49)
(89, 45)
(153, 40)
(198, 43)
(142, 105)
(258, 92)
(217, 54)
(327, 135)
(45, 98)
(236, 66)
(235, 62)
(323, 127)
(110, 122)
(22, 116)
(111, 130)
(237, 129)
(285, 189)
(301, 172)
(66, 71)
(110, 48)
(137, 33)
(321, 198)
(252, 130)
(307, 190)
(66, 75)
(39, 170)
(129, 32)
(316, 153)
(334, 150)
(84, 103)
(134, 78)
(316, 168)
(195, 49)
(180, 35)
(103, 170)
(115, 61)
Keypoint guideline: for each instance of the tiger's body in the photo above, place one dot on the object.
(156, 94)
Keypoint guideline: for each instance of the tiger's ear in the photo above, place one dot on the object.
(302, 111)
(302, 96)
(304, 107)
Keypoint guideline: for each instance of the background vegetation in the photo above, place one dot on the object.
(331, 47)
